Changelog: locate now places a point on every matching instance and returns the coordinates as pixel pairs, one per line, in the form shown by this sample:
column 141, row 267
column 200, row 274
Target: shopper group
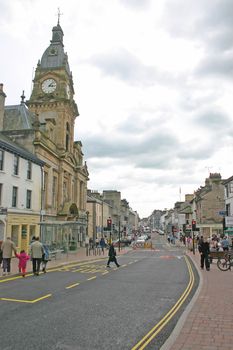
column 38, row 253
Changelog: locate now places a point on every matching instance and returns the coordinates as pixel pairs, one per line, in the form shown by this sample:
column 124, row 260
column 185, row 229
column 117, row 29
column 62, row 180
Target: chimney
column 2, row 106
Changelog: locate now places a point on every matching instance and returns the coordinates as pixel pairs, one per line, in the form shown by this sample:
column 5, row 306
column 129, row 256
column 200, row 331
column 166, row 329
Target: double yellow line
column 162, row 323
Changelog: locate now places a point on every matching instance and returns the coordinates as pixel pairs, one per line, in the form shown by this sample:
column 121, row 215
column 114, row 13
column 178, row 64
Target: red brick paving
column 209, row 325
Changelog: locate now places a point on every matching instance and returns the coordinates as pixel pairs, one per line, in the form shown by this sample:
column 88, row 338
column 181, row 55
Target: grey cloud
column 217, row 66
column 127, row 67
column 147, row 151
column 214, row 120
column 197, row 152
column 136, row 4
column 209, row 22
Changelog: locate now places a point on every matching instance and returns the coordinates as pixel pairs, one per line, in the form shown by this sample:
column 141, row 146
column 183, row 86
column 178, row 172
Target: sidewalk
column 207, row 322
column 63, row 259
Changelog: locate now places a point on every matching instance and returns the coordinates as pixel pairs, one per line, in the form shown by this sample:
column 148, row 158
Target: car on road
column 142, row 239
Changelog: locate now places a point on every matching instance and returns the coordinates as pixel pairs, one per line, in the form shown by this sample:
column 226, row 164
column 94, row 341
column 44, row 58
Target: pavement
column 206, row 323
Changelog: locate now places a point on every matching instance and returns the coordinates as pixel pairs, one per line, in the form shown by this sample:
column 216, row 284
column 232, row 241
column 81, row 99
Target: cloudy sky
column 153, row 83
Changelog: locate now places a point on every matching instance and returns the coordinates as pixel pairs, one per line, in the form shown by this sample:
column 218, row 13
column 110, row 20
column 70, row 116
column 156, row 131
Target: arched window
column 67, row 136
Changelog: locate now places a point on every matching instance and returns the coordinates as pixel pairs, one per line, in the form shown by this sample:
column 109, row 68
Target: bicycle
column 224, row 263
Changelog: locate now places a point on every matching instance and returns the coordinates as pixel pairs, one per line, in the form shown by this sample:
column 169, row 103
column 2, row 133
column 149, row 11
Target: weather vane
column 59, row 14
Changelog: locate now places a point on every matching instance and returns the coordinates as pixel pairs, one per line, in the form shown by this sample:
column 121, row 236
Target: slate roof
column 54, row 56
column 8, row 145
column 18, row 117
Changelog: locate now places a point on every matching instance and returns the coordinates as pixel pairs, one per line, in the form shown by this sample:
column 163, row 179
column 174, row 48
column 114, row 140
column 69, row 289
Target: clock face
column 49, row 85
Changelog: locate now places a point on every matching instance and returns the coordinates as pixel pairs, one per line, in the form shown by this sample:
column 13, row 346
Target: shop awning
column 229, row 231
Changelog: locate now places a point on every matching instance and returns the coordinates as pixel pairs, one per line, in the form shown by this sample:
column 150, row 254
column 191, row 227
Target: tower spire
column 59, row 14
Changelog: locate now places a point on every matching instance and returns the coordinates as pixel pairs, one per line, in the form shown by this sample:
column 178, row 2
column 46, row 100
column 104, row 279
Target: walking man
column 7, row 248
column 112, row 256
column 37, row 252
column 204, row 251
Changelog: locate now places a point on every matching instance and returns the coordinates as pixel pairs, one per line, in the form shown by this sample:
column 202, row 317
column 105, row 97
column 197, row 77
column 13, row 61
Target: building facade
column 21, row 176
column 44, row 124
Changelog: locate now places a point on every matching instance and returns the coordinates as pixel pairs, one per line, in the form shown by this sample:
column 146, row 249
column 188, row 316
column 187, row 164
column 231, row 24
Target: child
column 45, row 257
column 23, row 258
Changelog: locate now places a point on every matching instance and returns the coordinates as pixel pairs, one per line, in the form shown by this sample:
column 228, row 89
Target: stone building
column 208, row 204
column 45, row 126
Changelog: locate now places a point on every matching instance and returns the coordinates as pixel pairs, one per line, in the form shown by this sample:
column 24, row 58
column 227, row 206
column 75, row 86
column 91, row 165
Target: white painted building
column 228, row 196
column 21, row 183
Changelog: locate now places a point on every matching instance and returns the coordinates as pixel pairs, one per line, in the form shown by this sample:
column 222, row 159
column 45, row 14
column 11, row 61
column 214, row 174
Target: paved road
column 86, row 306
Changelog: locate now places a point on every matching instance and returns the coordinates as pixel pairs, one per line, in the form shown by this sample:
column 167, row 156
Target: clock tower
column 65, row 173
column 52, row 95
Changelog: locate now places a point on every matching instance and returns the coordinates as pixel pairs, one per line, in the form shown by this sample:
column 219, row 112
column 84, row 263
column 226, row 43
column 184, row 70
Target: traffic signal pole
column 193, row 236
column 119, row 236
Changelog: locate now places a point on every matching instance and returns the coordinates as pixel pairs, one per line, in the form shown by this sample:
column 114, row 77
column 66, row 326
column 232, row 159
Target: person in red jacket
column 23, row 258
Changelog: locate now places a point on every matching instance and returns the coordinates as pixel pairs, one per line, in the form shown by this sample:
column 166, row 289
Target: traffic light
column 193, row 225
column 109, row 223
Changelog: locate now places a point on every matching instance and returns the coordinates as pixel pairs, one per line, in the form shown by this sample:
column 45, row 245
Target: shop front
column 65, row 236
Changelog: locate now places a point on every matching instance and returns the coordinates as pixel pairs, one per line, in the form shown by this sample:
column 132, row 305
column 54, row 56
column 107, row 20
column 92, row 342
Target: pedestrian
column 23, row 258
column 37, row 251
column 112, row 256
column 200, row 240
column 102, row 244
column 225, row 244
column 45, row 257
column 204, row 251
column 7, row 248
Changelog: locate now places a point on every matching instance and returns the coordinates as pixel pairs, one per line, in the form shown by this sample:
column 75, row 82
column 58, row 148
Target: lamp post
column 119, row 236
column 87, row 239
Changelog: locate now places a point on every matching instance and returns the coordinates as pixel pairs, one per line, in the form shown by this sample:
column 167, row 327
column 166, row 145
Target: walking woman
column 112, row 256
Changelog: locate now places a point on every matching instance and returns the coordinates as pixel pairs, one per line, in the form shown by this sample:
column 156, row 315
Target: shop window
column 24, row 231
column 32, row 232
column 15, row 234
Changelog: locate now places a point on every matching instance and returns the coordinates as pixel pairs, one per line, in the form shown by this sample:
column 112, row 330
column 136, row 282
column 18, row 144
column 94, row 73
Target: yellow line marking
column 15, row 278
column 91, row 278
column 124, row 265
column 60, row 268
column 105, row 273
column 73, row 285
column 26, row 301
column 162, row 323
column 131, row 262
column 77, row 270
column 44, row 297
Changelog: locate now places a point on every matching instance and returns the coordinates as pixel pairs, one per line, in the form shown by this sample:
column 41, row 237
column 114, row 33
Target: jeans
column 36, row 265
column 205, row 259
column 6, row 264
